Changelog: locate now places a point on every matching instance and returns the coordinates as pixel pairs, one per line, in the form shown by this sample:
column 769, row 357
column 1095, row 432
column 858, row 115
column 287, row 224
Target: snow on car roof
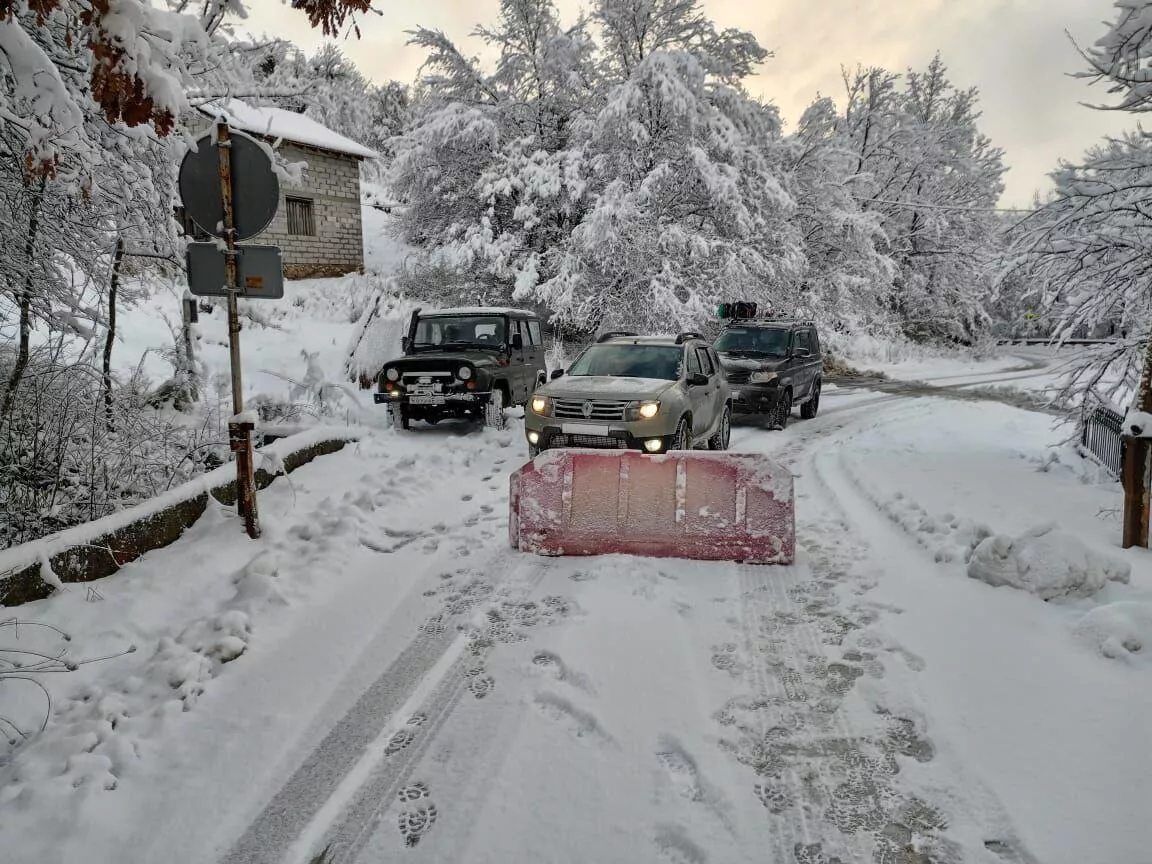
column 288, row 125
column 478, row 310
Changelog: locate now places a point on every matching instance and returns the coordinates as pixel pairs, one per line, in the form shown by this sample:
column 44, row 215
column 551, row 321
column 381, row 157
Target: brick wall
column 331, row 182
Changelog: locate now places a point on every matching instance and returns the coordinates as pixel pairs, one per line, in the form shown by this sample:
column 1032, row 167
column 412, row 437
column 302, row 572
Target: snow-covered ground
column 380, row 673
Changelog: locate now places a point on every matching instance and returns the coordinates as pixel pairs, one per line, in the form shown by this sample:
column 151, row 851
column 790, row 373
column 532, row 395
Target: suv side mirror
column 698, row 380
column 801, row 353
column 517, row 342
column 556, row 373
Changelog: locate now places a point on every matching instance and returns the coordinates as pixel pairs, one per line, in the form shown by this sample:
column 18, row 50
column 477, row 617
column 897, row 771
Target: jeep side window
column 705, row 362
column 802, row 340
column 814, row 341
column 534, row 332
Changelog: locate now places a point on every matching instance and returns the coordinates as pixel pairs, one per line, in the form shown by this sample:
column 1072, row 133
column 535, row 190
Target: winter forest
column 610, row 171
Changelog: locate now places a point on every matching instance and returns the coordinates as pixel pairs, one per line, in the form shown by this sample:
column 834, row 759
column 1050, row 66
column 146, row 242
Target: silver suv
column 648, row 393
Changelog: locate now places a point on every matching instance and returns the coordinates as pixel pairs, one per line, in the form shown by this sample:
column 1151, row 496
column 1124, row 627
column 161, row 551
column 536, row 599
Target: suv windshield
column 757, row 341
column 630, row 361
column 480, row 330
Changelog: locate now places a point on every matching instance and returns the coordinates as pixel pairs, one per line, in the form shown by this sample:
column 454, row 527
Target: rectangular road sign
column 259, row 271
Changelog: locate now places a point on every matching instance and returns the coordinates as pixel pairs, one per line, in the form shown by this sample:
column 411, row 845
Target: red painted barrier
column 685, row 504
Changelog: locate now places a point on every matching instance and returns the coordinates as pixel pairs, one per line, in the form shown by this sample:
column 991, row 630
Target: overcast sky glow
column 1015, row 51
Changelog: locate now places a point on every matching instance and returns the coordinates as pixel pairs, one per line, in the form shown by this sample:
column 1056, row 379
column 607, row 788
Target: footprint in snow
column 681, row 769
column 674, row 844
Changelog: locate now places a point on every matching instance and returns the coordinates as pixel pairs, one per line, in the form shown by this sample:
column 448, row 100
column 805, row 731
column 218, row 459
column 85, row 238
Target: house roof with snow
column 277, row 124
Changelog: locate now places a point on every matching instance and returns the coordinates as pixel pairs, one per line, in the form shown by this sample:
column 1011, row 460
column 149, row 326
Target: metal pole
column 239, row 434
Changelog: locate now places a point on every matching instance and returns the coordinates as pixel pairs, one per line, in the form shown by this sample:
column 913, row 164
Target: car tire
column 400, row 418
column 723, row 435
column 808, row 409
column 682, row 437
column 494, row 417
column 783, row 410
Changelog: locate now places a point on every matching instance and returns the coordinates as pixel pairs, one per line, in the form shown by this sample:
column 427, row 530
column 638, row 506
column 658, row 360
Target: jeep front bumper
column 754, row 398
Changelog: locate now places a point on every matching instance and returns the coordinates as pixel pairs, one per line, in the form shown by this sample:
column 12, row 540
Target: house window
column 300, row 217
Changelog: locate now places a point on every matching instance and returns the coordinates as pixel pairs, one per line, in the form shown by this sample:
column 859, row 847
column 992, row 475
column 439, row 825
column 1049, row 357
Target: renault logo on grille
column 587, row 409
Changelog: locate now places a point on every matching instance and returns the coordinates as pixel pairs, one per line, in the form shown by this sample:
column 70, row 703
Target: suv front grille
column 573, row 409
column 595, row 442
column 737, row 376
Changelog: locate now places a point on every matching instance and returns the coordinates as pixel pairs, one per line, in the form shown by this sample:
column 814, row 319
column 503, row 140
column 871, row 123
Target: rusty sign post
column 239, row 433
column 229, row 188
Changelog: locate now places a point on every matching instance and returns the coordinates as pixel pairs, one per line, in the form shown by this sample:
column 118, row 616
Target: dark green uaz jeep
column 467, row 363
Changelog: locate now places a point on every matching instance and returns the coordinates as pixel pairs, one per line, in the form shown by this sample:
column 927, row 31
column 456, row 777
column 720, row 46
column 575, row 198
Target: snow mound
column 1046, row 562
column 1119, row 631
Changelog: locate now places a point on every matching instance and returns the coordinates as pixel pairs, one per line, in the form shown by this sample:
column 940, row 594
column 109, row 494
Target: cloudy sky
column 1015, row 51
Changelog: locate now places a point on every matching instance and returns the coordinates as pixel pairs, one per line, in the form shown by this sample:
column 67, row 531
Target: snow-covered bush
column 1046, row 562
column 1119, row 631
column 68, row 455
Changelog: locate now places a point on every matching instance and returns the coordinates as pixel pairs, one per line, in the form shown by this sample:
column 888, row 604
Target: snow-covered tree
column 612, row 171
column 924, row 166
column 848, row 278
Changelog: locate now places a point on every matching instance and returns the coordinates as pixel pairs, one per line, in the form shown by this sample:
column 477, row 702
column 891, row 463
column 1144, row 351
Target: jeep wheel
column 682, row 439
column 808, row 409
column 723, row 435
column 494, row 411
column 400, row 418
column 783, row 410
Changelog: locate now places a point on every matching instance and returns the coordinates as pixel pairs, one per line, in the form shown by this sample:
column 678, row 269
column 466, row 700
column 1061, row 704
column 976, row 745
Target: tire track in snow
column 825, row 759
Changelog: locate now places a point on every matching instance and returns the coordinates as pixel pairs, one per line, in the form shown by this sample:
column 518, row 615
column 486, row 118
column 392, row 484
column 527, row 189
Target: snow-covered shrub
column 1119, row 631
column 69, row 455
column 376, row 339
column 1046, row 562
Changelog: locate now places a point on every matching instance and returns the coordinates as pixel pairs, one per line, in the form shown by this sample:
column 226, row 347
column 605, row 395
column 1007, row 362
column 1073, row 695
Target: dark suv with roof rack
column 629, row 392
column 772, row 364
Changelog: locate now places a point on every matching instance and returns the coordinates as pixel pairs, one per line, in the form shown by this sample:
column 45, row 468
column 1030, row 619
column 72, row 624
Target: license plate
column 583, row 429
column 425, row 400
column 737, row 394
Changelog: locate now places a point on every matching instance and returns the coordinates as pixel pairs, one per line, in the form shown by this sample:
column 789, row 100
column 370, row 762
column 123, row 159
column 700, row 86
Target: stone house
column 318, row 226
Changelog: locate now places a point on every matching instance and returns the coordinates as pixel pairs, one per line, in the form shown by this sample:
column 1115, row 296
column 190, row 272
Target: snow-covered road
column 410, row 689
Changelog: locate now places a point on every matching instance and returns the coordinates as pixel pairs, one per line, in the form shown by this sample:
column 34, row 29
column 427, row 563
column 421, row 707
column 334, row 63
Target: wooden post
column 239, row 434
column 1136, row 492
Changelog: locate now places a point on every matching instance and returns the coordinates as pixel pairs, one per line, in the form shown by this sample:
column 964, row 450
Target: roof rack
column 613, row 334
column 691, row 334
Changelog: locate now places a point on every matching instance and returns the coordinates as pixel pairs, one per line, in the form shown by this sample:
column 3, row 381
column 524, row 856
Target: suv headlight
column 464, row 373
column 763, row 377
column 540, row 405
column 642, row 410
column 392, row 374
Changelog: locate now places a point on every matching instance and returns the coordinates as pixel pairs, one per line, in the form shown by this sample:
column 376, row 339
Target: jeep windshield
column 754, row 341
column 661, row 362
column 459, row 331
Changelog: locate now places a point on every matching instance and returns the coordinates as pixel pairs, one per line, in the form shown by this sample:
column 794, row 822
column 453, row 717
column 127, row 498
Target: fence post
column 1136, row 493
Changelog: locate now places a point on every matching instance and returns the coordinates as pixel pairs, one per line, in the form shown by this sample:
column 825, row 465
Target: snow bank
column 102, row 546
column 1138, row 424
column 1045, row 562
column 1119, row 631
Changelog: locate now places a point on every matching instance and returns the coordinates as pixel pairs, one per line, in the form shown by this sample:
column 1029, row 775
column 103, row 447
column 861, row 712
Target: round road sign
column 255, row 188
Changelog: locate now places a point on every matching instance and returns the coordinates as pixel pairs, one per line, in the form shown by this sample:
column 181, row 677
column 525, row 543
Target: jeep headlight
column 540, row 404
column 464, row 373
column 642, row 410
column 392, row 374
column 762, row 377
